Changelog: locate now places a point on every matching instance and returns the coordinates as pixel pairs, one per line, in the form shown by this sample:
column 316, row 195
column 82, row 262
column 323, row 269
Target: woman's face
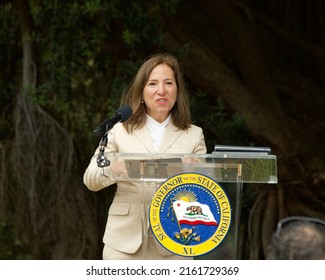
column 160, row 92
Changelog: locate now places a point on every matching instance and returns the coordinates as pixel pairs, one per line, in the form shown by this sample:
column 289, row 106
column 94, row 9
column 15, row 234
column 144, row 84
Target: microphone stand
column 102, row 161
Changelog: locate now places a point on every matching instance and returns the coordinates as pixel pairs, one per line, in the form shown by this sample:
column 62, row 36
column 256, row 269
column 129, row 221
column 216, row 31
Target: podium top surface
column 248, row 167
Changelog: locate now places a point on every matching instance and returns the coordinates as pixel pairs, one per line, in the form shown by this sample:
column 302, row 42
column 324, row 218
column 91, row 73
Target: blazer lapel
column 171, row 135
column 144, row 137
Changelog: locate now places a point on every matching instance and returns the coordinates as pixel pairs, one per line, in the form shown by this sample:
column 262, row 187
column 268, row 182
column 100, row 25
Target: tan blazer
column 127, row 223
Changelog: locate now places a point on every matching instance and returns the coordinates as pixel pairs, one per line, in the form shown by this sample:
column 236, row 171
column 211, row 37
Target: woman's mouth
column 161, row 100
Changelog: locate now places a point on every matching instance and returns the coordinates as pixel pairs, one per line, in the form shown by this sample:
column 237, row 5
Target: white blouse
column 157, row 130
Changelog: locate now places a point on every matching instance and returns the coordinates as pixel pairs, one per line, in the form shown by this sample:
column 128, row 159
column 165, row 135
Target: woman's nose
column 161, row 89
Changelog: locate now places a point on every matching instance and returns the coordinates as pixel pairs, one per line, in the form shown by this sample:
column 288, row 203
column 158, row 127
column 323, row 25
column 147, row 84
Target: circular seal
column 190, row 214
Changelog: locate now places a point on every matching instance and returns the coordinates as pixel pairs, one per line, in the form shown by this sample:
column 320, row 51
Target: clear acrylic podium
column 229, row 168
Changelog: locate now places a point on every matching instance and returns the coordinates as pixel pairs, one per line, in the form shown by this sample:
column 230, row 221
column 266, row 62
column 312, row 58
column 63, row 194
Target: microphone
column 121, row 115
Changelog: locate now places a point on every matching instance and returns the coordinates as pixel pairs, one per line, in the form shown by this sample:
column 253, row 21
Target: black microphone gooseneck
column 121, row 115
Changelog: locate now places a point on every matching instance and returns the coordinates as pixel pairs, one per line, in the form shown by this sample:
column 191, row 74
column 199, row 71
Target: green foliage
column 130, row 38
column 221, row 125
